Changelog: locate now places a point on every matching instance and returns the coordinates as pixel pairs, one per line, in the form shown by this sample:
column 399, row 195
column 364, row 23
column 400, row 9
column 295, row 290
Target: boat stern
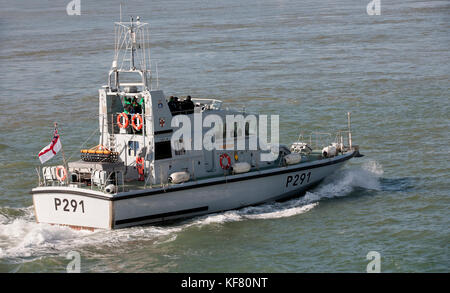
column 74, row 207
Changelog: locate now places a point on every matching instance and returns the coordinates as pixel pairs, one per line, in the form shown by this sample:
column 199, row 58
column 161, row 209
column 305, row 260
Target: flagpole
column 64, row 156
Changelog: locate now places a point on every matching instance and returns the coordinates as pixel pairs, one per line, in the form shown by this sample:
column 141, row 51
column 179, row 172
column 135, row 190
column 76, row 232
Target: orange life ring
column 58, row 176
column 134, row 124
column 227, row 166
column 125, row 124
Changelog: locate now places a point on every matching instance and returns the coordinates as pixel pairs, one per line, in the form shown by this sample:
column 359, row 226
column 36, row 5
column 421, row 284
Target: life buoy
column 125, row 124
column 140, row 168
column 139, row 117
column 58, row 173
column 227, row 166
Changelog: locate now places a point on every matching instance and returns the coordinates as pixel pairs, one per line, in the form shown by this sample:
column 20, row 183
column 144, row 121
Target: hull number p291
column 298, row 179
column 69, row 206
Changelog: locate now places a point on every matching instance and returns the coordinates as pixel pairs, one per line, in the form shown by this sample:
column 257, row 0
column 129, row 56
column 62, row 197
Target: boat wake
column 22, row 239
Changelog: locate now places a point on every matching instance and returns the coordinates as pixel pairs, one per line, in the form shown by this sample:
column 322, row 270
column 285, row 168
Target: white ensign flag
column 51, row 150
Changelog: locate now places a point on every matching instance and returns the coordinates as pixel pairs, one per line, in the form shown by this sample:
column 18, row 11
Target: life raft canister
column 133, row 123
column 179, row 177
column 58, row 173
column 227, row 166
column 119, row 122
column 140, row 168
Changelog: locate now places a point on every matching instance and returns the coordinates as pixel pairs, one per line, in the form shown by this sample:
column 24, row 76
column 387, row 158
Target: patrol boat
column 138, row 174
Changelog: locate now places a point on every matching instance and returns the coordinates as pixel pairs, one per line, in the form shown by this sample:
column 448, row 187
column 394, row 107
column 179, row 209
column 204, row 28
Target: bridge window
column 133, row 147
column 163, row 150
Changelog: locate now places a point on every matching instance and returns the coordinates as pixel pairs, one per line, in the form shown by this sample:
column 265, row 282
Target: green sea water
column 309, row 62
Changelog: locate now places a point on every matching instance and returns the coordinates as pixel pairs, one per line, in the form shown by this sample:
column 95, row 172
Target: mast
column 131, row 55
column 133, row 45
column 130, row 75
column 349, row 131
column 66, row 166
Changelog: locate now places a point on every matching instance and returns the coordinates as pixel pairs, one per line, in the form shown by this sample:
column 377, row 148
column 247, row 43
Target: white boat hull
column 83, row 208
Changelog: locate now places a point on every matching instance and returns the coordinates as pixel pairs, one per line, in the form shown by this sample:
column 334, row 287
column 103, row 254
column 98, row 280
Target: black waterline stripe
column 163, row 131
column 163, row 215
column 149, row 193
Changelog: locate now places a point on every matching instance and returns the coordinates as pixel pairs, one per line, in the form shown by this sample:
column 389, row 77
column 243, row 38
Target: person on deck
column 141, row 104
column 127, row 107
column 188, row 105
column 137, row 106
column 172, row 104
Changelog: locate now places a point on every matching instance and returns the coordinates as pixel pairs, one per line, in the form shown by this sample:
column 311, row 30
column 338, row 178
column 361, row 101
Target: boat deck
column 141, row 185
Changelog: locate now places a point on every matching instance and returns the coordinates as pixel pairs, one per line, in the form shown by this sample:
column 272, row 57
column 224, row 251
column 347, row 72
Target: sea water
column 309, row 62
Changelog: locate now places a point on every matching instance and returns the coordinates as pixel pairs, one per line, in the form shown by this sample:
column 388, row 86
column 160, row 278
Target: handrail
column 317, row 135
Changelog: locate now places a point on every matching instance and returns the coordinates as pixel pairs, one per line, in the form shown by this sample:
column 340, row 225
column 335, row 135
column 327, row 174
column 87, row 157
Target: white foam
column 164, row 241
column 289, row 212
column 23, row 237
column 3, row 219
column 343, row 182
column 373, row 167
column 230, row 216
